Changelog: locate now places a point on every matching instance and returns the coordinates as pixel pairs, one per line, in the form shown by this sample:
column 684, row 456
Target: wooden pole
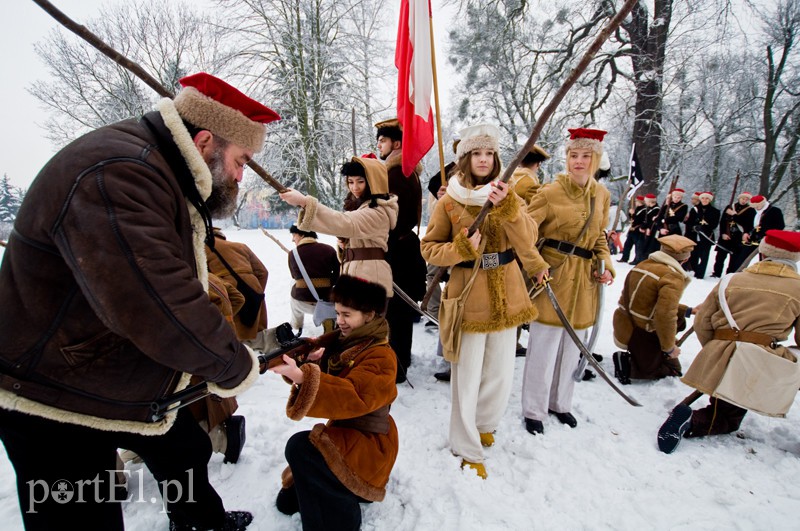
column 84, row 33
column 438, row 108
column 273, row 238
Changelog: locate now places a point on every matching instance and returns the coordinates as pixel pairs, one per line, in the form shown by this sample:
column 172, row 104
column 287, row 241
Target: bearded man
column 104, row 309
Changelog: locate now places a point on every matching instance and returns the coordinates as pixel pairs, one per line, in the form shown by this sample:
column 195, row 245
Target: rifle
column 296, row 348
column 538, row 126
column 727, row 228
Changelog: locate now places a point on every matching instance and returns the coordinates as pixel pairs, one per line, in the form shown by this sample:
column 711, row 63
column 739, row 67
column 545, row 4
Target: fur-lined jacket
column 560, row 209
column 252, row 271
column 652, row 293
column 353, row 385
column 498, row 299
column 525, row 183
column 764, row 298
column 103, row 302
column 364, row 227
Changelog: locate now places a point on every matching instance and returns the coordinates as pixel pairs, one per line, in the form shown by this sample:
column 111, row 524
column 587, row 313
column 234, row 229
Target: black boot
column 622, row 366
column 234, row 431
column 234, row 521
column 671, row 432
column 565, row 418
column 287, row 501
column 443, row 376
column 534, row 427
column 588, row 375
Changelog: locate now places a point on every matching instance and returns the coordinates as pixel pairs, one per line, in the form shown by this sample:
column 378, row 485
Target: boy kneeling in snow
column 337, row 465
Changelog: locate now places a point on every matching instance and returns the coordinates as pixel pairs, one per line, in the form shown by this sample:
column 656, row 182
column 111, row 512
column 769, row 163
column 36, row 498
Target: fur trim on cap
column 226, row 122
column 776, row 252
column 708, row 195
column 359, row 294
column 584, row 138
column 481, row 136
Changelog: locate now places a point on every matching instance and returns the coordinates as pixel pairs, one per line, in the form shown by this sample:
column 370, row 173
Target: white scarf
column 468, row 196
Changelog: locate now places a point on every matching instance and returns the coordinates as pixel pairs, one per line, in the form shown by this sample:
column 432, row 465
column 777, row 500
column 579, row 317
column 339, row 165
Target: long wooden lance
column 84, row 33
column 538, row 126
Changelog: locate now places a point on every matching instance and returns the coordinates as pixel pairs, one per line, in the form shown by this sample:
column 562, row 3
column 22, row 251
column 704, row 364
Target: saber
column 598, row 320
column 411, row 302
column 715, row 244
column 586, row 354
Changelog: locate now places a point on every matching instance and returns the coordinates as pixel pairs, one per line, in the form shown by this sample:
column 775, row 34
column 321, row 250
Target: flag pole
column 436, row 102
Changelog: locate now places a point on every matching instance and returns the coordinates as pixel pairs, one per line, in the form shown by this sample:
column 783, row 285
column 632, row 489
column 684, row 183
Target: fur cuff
column 508, row 209
column 464, row 248
column 305, row 219
column 302, row 397
column 244, row 385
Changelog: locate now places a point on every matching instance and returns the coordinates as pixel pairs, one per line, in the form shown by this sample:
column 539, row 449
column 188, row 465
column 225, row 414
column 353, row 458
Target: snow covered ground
column 605, row 474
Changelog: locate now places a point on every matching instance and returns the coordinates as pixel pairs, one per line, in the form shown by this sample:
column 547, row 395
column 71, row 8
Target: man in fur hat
column 404, row 257
column 648, row 229
column 764, row 302
column 104, row 308
column 650, row 315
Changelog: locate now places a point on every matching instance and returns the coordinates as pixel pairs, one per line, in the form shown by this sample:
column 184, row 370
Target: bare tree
column 302, row 54
column 85, row 90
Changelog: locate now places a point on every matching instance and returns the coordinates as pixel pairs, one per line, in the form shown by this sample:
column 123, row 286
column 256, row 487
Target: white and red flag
column 414, row 81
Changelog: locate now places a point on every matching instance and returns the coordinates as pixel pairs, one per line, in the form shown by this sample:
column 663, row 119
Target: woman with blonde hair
column 571, row 213
column 483, row 369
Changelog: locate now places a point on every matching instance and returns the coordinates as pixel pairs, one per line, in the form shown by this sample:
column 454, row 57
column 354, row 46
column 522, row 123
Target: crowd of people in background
column 136, row 296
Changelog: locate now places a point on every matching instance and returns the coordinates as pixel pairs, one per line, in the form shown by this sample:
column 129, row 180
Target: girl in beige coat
column 561, row 210
column 365, row 228
column 483, row 370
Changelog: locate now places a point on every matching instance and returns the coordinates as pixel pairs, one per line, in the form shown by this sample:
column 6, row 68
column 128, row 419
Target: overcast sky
column 25, row 150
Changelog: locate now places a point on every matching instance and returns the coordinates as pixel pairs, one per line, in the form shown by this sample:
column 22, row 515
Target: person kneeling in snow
column 764, row 305
column 650, row 314
column 337, row 465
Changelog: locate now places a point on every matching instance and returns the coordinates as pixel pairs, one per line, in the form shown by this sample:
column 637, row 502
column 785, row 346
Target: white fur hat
column 480, row 136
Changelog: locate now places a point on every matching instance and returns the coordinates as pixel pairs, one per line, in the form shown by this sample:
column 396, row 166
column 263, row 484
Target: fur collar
column 776, row 268
column 573, row 190
column 202, row 180
column 663, row 258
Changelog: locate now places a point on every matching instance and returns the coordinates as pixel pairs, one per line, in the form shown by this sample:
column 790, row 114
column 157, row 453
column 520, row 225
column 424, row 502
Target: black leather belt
column 569, row 248
column 491, row 260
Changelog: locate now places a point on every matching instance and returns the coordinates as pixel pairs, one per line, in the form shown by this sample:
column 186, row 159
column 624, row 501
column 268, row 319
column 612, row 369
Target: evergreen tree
column 10, row 199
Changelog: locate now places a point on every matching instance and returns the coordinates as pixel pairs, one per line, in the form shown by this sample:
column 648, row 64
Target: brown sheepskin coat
column 247, row 265
column 525, row 183
column 653, row 290
column 764, row 298
column 361, row 460
column 498, row 299
column 560, row 209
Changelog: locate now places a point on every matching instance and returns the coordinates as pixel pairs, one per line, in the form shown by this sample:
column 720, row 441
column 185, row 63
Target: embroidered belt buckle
column 490, row 261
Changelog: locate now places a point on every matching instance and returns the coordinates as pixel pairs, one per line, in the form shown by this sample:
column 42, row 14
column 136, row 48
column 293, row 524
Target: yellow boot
column 477, row 467
column 487, row 439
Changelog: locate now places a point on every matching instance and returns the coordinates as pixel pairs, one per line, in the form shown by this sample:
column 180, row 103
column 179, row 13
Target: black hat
column 359, row 294
column 304, row 233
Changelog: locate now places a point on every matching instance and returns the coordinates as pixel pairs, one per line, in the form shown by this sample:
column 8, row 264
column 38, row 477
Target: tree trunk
column 649, row 48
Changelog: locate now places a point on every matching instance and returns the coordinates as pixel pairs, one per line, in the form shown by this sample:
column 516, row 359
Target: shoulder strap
column 723, row 302
column 305, row 274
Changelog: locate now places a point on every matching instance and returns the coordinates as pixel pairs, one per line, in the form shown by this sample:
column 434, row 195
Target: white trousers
column 299, row 310
column 549, row 364
column 480, row 385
